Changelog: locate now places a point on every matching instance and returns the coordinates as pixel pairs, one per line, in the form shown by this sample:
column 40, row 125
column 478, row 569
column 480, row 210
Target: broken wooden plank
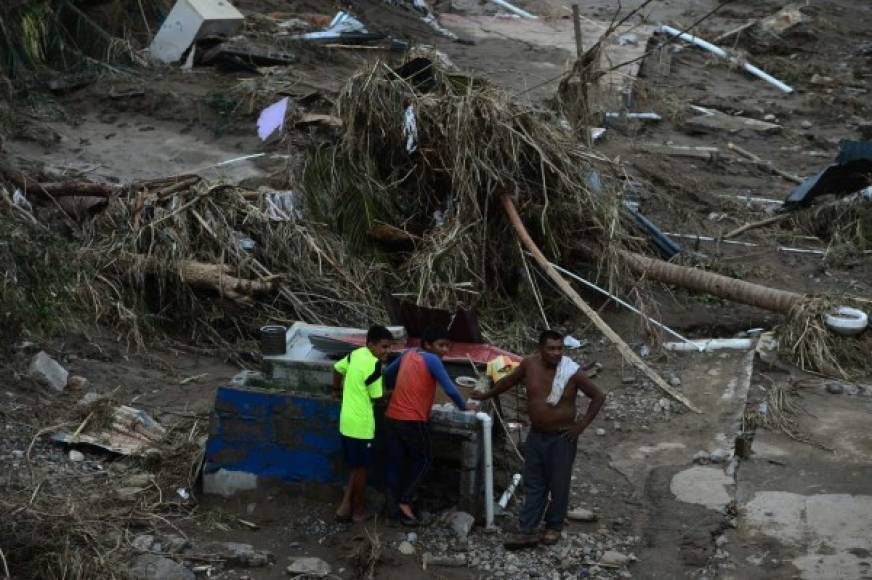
column 764, row 164
column 713, row 120
column 704, row 153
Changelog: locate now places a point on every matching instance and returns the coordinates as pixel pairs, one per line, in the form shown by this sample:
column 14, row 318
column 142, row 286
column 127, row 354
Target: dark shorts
column 358, row 452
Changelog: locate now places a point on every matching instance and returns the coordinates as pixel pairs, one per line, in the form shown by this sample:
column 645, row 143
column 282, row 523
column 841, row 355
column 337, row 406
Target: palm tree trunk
column 715, row 284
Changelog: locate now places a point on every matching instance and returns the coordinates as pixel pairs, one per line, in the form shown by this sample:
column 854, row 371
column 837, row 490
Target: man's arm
column 339, row 370
column 504, row 384
column 437, row 370
column 337, row 385
column 597, row 398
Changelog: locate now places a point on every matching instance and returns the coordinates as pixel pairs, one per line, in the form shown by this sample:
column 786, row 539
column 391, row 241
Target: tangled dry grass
column 779, row 412
column 164, row 254
column 471, row 142
column 805, row 340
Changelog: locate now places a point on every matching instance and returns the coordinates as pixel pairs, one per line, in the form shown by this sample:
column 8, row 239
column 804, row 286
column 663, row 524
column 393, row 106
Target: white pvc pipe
column 514, row 9
column 639, row 116
column 711, row 344
column 716, row 50
column 710, row 239
column 510, row 491
column 624, row 304
column 487, row 425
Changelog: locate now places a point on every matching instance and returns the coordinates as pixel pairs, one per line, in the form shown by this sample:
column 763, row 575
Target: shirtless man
column 552, row 443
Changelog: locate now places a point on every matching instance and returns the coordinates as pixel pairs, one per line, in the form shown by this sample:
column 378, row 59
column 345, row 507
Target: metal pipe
column 711, row 344
column 626, row 305
column 716, row 50
column 510, row 491
column 514, row 9
column 487, row 429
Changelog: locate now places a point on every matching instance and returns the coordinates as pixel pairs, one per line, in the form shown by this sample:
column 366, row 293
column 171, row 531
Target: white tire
column 847, row 321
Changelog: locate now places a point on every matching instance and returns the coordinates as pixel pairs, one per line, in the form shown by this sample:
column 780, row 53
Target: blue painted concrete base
column 288, row 436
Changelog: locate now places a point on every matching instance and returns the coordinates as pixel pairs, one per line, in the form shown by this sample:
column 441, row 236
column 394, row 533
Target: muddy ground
column 793, row 509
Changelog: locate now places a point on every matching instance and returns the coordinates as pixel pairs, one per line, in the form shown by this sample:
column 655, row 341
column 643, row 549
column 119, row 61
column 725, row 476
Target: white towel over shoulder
column 565, row 369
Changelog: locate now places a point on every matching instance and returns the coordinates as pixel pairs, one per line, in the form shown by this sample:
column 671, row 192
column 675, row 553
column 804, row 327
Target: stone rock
column 817, row 79
column 227, row 483
column 613, row 558
column 77, row 382
column 406, row 548
column 675, row 381
column 600, row 432
column 175, row 544
column 47, row 371
column 312, row 566
column 806, row 124
column 76, row 456
column 412, row 537
column 89, row 398
column 701, row 457
column 835, row 388
column 461, row 523
column 581, row 515
column 153, row 567
column 239, row 554
column 719, row 455
column 143, row 543
column 452, row 561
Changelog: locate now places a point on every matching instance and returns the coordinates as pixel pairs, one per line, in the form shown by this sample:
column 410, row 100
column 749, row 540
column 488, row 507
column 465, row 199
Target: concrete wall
column 289, row 436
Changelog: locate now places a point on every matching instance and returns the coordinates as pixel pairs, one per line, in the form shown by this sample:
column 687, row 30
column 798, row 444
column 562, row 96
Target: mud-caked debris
column 238, row 554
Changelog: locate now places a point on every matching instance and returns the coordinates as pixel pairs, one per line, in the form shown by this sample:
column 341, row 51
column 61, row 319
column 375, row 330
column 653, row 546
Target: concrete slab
column 718, row 383
column 706, row 486
column 806, row 511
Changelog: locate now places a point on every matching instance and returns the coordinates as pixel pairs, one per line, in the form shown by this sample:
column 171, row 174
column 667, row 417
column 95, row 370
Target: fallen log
column 218, row 277
column 29, row 184
column 629, row 355
column 715, row 284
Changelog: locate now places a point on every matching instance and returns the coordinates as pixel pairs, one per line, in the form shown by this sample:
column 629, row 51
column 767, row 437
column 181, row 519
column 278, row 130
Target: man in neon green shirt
column 357, row 378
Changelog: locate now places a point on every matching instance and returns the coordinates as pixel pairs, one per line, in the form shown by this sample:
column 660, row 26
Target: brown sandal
column 520, row 541
column 550, row 537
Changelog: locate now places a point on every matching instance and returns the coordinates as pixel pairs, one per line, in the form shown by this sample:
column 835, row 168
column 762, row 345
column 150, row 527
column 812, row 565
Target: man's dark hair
column 377, row 333
column 434, row 333
column 549, row 335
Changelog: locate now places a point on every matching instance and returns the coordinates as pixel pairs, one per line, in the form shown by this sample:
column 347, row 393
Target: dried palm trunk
column 216, row 277
column 714, row 284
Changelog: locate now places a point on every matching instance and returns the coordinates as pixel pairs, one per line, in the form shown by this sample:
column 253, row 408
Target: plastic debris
column 343, row 23
column 272, row 119
column 410, row 129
